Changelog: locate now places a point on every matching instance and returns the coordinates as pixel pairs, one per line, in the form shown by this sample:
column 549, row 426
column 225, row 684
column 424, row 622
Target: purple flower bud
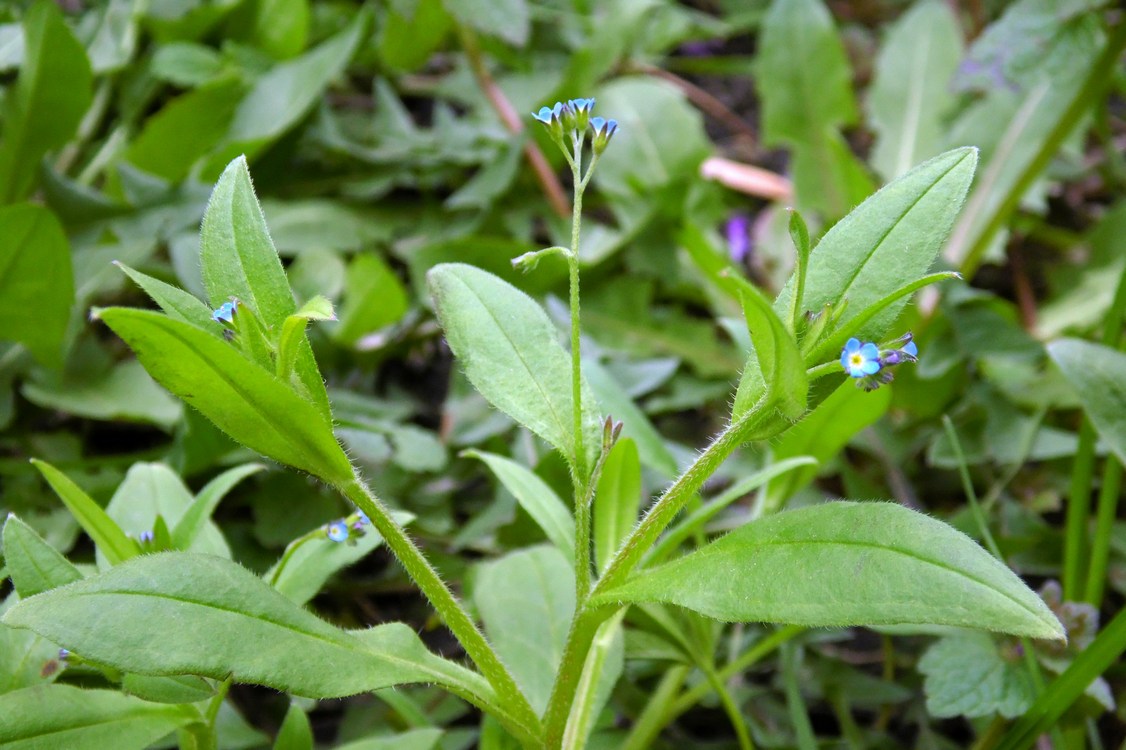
column 738, row 231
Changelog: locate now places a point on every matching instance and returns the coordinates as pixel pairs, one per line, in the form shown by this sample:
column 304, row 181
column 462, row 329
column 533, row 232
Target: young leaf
column 62, row 716
column 107, row 535
column 889, row 240
column 510, row 351
column 1000, row 684
column 195, row 518
column 1098, row 376
column 293, row 332
column 35, row 566
column 178, row 613
column 295, row 732
column 846, row 563
column 535, row 497
column 526, row 599
column 175, row 689
column 36, row 280
column 242, row 399
column 617, row 500
column 43, row 109
column 176, row 303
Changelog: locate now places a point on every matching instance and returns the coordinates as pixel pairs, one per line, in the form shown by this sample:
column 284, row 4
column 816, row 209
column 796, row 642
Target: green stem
column 654, row 717
column 1078, row 510
column 799, row 714
column 522, row 720
column 580, row 479
column 1106, row 514
column 729, row 707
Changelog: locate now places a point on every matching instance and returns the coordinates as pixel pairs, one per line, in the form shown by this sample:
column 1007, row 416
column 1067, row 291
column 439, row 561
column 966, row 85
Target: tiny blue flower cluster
column 341, row 530
column 225, row 313
column 572, row 117
column 872, row 365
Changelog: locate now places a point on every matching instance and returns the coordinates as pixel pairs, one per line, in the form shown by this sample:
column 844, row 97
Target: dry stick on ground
column 548, row 180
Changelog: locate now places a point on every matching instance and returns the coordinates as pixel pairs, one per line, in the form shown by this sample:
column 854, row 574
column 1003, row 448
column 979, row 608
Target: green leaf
column 968, row 675
column 176, row 303
column 373, row 298
column 413, row 739
column 36, row 280
column 26, row 659
column 526, row 600
column 34, row 565
column 888, row 241
column 800, row 101
column 243, row 400
column 510, row 350
column 508, row 19
column 49, row 717
column 239, row 260
column 107, row 535
column 177, row 613
column 195, row 518
column 617, row 500
column 846, row 563
column 309, row 562
column 1098, row 375
column 185, row 130
column 295, row 732
column 911, row 94
column 822, row 434
column 123, row 393
column 293, row 333
column 43, row 109
column 406, row 41
column 177, row 689
column 281, row 27
column 536, row 497
column 284, row 96
column 775, row 367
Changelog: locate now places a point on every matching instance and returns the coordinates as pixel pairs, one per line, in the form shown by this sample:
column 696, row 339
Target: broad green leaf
column 107, row 535
column 185, row 130
column 177, row 613
column 124, row 393
column 36, row 280
column 800, row 101
column 510, row 350
column 239, row 261
column 968, row 675
column 406, row 41
column 295, row 732
column 237, row 255
column 308, row 563
column 50, row 717
column 43, row 109
column 823, row 433
column 535, row 497
column 508, row 19
column 185, row 64
column 911, row 93
column 889, row 240
column 846, row 563
column 649, row 152
column 34, row 565
column 243, row 400
column 617, row 500
column 526, row 600
column 195, row 519
column 176, row 303
column 1098, row 375
column 285, row 95
column 26, row 659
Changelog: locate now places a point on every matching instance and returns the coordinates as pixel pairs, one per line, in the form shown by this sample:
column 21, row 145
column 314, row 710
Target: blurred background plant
column 389, row 137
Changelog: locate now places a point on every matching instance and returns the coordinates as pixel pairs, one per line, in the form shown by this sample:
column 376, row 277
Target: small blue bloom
column 603, row 131
column 860, row 360
column 911, row 349
column 582, row 109
column 63, row 654
column 225, row 313
column 902, row 349
column 364, row 520
column 544, row 115
column 337, row 531
column 146, row 537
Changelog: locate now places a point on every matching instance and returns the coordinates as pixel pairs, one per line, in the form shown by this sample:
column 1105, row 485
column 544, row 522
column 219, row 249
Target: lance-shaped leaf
column 510, row 351
column 846, row 563
column 61, row 716
column 250, row 404
column 181, row 613
column 1098, row 375
column 35, row 566
column 107, row 535
column 888, row 241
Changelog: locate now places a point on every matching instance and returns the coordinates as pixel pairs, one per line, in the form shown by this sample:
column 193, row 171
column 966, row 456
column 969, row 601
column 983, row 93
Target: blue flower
column 581, row 109
column 225, row 313
column 544, row 115
column 860, row 360
column 603, row 131
column 63, row 654
column 363, row 518
column 146, row 537
column 337, row 531
column 902, row 349
column 552, row 119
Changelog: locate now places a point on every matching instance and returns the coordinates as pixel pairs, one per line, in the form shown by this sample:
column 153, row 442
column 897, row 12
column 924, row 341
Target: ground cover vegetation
column 569, row 373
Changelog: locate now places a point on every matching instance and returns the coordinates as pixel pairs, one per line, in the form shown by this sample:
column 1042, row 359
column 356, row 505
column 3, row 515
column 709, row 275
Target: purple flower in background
column 739, row 237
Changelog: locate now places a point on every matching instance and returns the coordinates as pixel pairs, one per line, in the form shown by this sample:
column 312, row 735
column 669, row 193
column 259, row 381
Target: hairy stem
column 522, row 719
